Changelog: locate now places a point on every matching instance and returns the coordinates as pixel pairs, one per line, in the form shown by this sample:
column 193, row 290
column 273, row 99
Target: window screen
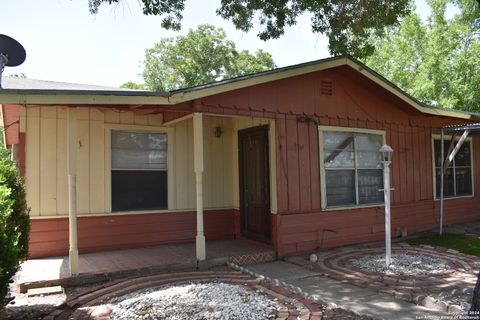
column 139, row 171
column 353, row 172
column 458, row 175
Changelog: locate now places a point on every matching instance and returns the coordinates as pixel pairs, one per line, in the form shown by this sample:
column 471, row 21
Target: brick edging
column 295, row 303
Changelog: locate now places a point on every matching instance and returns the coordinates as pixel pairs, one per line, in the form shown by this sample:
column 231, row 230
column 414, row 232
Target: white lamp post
column 386, row 152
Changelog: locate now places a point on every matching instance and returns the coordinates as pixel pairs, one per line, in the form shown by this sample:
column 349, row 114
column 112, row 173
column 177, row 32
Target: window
column 352, row 169
column 458, row 176
column 139, row 170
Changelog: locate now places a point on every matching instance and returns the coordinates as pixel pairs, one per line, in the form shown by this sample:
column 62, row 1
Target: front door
column 254, row 183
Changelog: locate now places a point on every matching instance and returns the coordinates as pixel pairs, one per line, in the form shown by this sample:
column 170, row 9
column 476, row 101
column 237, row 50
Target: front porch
column 79, row 181
column 100, row 266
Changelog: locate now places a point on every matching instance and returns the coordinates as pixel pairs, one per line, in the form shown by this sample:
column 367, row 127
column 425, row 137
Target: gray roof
column 25, row 83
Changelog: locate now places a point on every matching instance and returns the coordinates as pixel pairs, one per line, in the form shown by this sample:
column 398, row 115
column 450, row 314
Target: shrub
column 14, row 224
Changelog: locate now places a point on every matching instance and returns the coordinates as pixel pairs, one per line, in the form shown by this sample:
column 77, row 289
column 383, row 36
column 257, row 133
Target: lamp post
column 386, row 152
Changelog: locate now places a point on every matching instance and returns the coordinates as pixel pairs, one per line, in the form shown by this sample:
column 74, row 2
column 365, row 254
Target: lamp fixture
column 218, row 132
column 305, row 118
column 386, row 152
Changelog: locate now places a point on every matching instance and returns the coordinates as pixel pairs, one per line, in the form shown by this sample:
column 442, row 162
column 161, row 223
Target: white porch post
column 72, row 189
column 198, row 168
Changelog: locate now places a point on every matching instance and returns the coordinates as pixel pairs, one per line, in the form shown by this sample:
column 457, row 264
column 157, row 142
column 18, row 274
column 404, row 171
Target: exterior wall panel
column 355, row 103
column 49, row 237
column 46, row 159
column 339, row 97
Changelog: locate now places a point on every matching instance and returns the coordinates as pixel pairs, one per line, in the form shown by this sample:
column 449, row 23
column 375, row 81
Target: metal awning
column 473, row 127
column 462, row 131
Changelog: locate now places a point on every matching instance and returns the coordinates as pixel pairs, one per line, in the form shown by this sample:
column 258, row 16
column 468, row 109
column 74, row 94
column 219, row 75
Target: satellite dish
column 12, row 53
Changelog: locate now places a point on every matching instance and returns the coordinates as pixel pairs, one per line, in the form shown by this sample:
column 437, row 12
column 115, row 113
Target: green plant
column 14, row 224
column 463, row 243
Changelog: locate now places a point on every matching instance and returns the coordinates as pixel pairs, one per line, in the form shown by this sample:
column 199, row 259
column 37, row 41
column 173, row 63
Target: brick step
column 108, row 276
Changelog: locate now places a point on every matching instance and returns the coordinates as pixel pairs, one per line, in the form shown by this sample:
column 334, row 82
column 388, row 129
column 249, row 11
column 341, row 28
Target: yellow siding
column 62, row 178
column 190, row 188
column 46, row 169
column 22, row 119
column 48, row 172
column 181, row 177
column 83, row 161
column 32, row 154
column 97, row 161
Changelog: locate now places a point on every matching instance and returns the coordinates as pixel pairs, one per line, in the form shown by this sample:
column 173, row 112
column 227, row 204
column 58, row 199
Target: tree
column 202, row 56
column 133, row 85
column 437, row 61
column 14, row 224
column 347, row 23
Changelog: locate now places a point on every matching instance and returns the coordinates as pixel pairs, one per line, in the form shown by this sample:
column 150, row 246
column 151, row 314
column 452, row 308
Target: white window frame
column 434, row 174
column 170, row 162
column 323, row 186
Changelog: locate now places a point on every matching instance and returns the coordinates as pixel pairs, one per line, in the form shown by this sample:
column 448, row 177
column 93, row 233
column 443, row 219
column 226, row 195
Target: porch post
column 198, row 168
column 442, row 174
column 72, row 189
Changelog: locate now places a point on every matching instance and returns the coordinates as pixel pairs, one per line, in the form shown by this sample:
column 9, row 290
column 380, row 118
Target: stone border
column 415, row 289
column 88, row 305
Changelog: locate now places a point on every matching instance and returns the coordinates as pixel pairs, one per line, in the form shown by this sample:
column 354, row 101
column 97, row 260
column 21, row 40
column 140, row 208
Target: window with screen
column 139, row 171
column 352, row 168
column 458, row 175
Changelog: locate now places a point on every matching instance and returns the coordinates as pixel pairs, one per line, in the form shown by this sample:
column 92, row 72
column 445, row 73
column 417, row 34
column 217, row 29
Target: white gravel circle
column 402, row 264
column 194, row 301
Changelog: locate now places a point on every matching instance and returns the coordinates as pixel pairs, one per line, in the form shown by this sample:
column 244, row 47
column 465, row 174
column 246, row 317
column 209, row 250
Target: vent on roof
column 326, row 87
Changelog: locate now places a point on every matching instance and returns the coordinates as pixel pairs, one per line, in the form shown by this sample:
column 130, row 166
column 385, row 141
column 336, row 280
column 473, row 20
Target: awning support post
column 442, row 174
column 72, row 190
column 198, row 167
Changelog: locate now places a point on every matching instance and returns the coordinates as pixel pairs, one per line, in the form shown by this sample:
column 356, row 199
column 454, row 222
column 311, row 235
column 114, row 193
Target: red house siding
column 358, row 103
column 11, row 114
column 49, row 237
column 336, row 97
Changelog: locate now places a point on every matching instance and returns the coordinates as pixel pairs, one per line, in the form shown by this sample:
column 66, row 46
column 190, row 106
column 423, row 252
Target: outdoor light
column 218, row 132
column 386, row 152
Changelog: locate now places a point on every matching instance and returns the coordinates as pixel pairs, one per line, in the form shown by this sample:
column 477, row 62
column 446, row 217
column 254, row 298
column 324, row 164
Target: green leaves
column 202, row 56
column 14, row 224
column 348, row 24
column 169, row 10
column 434, row 61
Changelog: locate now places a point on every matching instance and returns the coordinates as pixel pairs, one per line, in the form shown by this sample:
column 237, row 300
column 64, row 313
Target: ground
column 409, row 280
column 95, row 302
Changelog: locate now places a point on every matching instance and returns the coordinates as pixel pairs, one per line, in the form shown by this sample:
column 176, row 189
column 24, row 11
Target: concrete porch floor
column 54, row 271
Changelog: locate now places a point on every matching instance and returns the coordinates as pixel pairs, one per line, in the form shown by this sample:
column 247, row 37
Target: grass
column 464, row 244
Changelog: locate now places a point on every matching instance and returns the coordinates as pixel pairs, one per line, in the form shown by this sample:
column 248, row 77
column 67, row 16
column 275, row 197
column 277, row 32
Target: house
column 288, row 157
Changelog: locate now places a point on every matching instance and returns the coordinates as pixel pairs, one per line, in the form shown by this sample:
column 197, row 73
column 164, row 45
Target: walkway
column 97, row 266
column 362, row 301
column 461, row 273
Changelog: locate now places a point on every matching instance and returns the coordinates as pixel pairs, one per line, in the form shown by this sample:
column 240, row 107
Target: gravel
column 401, row 264
column 32, row 308
column 194, row 301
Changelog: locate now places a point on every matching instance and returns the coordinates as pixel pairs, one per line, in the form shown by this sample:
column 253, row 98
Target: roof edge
column 198, row 92
column 398, row 92
column 52, row 96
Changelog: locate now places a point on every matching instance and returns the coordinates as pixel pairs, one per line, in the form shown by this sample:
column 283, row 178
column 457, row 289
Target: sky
column 64, row 42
